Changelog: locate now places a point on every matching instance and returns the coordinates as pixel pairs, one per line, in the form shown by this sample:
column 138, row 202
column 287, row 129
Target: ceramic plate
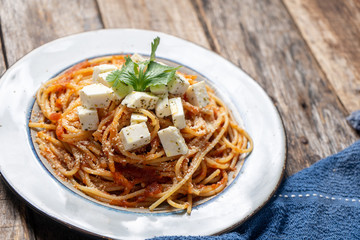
column 30, row 178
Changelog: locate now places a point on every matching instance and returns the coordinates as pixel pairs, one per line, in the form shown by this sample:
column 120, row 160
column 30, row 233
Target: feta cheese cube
column 96, row 96
column 135, row 136
column 89, row 118
column 172, row 141
column 162, row 108
column 197, row 94
column 102, row 79
column 102, row 69
column 159, row 89
column 137, row 118
column 177, row 112
column 178, row 85
column 137, row 58
column 140, row 100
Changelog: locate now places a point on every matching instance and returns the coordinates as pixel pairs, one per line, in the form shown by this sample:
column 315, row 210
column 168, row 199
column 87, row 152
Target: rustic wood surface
column 332, row 30
column 305, row 54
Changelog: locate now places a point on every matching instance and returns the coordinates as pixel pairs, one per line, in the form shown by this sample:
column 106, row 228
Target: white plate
column 25, row 173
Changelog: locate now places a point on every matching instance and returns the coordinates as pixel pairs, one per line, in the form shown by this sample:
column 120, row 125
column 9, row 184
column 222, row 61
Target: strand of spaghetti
column 114, row 188
column 113, row 131
column 225, row 159
column 58, row 165
column 211, row 176
column 214, row 164
column 95, row 148
column 235, row 160
column 243, row 132
column 86, row 179
column 99, row 193
column 98, row 172
column 178, row 166
column 140, row 157
column 193, row 132
column 159, row 160
column 235, row 148
column 92, row 160
column 214, row 188
column 177, row 205
column 194, row 165
column 202, row 174
column 154, row 122
column 42, row 125
column 190, row 203
column 47, row 137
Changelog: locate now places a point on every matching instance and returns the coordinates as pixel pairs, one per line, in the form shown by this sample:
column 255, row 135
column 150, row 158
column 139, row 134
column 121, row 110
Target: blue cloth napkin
column 354, row 120
column 320, row 202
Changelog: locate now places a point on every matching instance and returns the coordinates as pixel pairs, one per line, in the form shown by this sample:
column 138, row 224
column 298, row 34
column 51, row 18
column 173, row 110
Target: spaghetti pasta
column 96, row 162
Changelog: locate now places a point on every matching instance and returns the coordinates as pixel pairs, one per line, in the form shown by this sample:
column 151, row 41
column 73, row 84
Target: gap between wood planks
column 3, row 60
column 99, row 14
column 214, row 45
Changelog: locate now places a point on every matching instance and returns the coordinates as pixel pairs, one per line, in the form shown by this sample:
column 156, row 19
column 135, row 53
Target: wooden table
column 304, row 53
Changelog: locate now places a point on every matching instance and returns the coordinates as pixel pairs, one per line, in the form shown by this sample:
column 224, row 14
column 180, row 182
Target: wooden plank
column 42, row 21
column 176, row 17
column 46, row 228
column 261, row 37
column 332, row 31
column 14, row 216
column 26, row 25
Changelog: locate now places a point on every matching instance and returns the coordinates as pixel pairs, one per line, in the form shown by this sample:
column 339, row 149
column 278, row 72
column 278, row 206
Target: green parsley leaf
column 158, row 74
column 154, row 46
column 144, row 74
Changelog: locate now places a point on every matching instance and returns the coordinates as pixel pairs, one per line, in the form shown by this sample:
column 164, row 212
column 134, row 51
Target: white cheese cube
column 159, row 89
column 135, row 136
column 137, row 118
column 137, row 58
column 140, row 100
column 178, row 85
column 89, row 118
column 96, row 96
column 177, row 112
column 102, row 69
column 197, row 94
column 102, row 79
column 162, row 108
column 172, row 141
column 120, row 91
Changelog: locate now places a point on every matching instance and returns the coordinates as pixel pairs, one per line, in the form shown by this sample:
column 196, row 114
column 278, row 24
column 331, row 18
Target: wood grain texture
column 302, row 77
column 331, row 29
column 261, row 37
column 176, row 17
column 48, row 20
column 14, row 221
column 26, row 25
column 45, row 228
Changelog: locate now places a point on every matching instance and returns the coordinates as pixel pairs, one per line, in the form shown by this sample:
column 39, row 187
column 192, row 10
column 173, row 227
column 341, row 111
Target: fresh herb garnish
column 144, row 74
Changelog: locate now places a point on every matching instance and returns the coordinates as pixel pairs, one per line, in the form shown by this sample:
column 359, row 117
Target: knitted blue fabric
column 354, row 120
column 320, row 202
